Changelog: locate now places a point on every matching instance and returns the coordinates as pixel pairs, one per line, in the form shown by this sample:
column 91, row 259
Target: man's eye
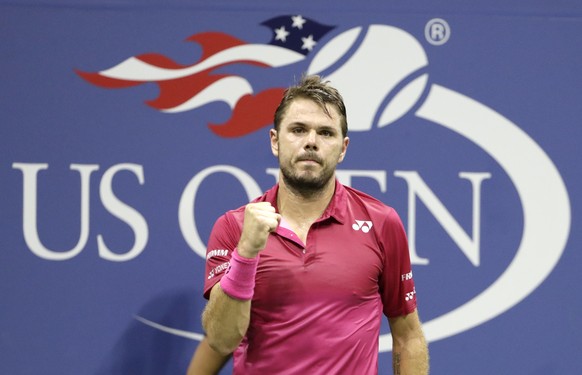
column 298, row 130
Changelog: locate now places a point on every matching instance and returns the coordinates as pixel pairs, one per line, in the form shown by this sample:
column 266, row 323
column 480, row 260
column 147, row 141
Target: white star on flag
column 296, row 32
column 298, row 21
column 308, row 43
column 281, row 34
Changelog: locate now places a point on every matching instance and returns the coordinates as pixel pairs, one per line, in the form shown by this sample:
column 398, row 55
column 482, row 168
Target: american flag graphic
column 187, row 87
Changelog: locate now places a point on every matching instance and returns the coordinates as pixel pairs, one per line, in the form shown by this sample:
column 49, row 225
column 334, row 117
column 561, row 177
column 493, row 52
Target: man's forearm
column 206, row 361
column 411, row 358
column 225, row 321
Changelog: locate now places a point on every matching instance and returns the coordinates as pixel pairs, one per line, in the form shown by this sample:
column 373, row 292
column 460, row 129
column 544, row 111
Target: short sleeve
column 396, row 283
column 223, row 240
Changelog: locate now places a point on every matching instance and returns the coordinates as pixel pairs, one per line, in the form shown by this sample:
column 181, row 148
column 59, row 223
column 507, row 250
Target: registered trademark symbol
column 437, row 31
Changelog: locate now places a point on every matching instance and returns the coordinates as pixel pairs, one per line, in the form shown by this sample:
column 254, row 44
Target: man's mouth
column 309, row 159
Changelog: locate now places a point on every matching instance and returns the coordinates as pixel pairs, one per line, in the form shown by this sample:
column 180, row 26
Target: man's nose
column 311, row 140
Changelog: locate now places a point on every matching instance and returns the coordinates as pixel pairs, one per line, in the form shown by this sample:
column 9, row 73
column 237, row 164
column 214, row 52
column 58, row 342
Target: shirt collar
column 336, row 208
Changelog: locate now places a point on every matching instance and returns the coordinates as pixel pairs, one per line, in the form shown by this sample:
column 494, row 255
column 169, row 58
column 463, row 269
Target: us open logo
column 351, row 59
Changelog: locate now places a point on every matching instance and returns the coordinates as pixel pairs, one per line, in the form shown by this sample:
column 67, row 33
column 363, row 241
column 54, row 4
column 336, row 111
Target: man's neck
column 300, row 208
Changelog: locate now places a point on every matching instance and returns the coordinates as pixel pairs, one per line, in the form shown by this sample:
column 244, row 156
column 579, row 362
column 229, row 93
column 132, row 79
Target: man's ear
column 344, row 149
column 274, row 142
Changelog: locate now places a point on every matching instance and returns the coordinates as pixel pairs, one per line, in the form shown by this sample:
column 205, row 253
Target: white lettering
column 216, row 253
column 218, row 269
column 418, row 188
column 123, row 212
column 406, row 276
column 29, row 210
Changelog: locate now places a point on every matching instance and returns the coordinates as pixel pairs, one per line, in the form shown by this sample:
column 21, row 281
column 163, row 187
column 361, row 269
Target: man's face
column 309, row 144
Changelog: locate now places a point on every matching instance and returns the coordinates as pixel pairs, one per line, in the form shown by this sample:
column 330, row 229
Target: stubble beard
column 306, row 184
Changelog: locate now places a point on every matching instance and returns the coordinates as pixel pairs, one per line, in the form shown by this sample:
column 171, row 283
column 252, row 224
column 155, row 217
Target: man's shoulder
column 373, row 206
column 367, row 199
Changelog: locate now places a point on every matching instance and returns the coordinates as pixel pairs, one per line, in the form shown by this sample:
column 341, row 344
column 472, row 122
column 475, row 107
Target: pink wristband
column 239, row 279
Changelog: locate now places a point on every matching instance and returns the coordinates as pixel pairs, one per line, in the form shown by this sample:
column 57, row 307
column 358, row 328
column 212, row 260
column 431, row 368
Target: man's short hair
column 312, row 87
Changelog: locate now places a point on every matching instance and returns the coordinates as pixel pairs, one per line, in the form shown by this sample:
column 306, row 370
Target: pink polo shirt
column 317, row 307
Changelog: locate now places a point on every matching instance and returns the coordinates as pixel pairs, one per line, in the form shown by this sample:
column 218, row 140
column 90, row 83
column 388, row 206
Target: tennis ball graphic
column 378, row 70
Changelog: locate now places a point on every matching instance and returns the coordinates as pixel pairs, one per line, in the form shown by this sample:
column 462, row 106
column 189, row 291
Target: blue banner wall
column 127, row 128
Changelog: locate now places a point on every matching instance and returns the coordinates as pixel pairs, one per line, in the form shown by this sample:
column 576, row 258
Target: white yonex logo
column 363, row 225
column 410, row 295
column 218, row 269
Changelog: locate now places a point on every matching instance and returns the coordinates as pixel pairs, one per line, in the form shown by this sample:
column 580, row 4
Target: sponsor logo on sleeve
column 218, row 269
column 216, row 253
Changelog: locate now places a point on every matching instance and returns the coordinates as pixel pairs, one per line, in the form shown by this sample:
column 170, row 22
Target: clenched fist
column 259, row 221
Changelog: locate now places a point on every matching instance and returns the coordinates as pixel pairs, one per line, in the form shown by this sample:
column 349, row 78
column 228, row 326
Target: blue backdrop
column 128, row 127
